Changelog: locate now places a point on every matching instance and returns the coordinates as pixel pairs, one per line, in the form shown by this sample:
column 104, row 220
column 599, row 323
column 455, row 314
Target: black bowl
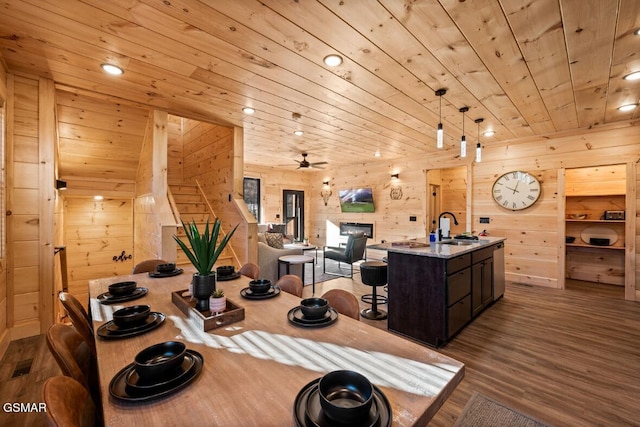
column 569, row 239
column 314, row 308
column 345, row 396
column 166, row 268
column 131, row 316
column 122, row 288
column 260, row 286
column 159, row 359
column 225, row 270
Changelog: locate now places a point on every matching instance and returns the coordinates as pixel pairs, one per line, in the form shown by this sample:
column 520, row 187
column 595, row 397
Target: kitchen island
column 436, row 289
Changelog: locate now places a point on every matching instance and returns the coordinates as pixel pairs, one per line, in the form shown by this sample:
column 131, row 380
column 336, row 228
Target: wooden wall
column 154, row 223
column 273, row 181
column 5, row 337
column 208, row 151
column 95, row 232
column 533, row 246
column 174, row 150
column 30, row 203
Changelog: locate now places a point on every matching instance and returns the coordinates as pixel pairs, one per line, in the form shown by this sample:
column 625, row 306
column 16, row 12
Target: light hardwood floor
column 567, row 357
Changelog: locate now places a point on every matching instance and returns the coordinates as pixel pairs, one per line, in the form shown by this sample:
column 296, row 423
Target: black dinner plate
column 308, row 411
column 158, row 274
column 119, row 389
column 107, row 298
column 295, row 317
column 110, row 330
column 139, row 385
column 249, row 294
column 228, row 277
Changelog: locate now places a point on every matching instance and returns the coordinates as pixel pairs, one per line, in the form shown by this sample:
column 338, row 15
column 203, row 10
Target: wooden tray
column 205, row 320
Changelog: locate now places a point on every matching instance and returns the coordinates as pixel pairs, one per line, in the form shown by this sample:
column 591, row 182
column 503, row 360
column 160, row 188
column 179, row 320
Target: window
column 251, row 190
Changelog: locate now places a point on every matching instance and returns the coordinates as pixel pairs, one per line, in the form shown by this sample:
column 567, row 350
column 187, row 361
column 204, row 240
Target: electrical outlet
column 413, row 218
column 484, row 220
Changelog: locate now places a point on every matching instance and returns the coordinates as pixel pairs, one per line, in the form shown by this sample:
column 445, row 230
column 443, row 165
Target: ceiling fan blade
column 319, row 163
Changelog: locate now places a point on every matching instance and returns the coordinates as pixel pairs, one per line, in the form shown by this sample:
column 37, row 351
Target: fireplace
column 347, row 228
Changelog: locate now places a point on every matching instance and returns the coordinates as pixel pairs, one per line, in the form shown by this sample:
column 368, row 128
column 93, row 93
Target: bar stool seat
column 374, row 274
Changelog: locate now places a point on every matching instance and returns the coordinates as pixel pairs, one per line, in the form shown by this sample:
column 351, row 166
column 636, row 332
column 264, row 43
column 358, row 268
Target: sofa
column 268, row 261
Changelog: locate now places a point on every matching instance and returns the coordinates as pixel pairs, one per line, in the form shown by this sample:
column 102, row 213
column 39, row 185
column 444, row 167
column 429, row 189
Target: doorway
column 293, row 213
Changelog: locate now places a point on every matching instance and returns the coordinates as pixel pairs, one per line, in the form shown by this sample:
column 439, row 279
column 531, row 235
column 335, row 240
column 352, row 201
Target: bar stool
column 374, row 274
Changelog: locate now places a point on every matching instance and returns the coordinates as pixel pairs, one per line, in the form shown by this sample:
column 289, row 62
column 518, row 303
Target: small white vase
column 217, row 305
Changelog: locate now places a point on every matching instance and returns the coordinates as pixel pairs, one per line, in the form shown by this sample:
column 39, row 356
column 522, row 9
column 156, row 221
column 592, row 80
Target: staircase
column 192, row 206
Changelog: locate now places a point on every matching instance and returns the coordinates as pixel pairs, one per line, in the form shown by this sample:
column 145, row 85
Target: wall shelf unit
column 590, row 192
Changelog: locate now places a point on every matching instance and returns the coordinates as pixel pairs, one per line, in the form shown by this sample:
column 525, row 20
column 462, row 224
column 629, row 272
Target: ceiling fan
column 304, row 164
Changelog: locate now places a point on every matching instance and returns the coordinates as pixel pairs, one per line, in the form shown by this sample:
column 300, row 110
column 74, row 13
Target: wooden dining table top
column 254, row 368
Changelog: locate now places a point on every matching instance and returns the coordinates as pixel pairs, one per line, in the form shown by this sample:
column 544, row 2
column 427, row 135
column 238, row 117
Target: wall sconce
column 326, row 192
column 61, row 185
column 395, row 176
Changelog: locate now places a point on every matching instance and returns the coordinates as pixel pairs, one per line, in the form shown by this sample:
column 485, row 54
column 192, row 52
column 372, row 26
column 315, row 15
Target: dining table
column 254, row 369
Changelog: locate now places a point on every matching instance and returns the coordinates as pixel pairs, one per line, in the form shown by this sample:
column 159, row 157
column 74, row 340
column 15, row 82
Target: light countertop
column 422, row 247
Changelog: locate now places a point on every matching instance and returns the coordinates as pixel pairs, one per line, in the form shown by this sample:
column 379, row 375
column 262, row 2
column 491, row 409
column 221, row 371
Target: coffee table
column 289, row 260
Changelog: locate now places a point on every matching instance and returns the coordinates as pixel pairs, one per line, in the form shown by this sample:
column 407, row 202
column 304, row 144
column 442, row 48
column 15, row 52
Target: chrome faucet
column 455, row 222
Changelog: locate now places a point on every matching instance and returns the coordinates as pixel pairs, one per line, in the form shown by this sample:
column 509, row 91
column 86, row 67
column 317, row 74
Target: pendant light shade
column 478, row 145
column 463, row 140
column 440, row 132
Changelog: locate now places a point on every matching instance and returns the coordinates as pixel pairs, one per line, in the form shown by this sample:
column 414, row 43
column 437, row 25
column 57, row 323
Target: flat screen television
column 356, row 200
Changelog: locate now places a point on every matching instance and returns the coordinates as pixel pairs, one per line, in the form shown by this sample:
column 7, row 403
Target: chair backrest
column 292, row 284
column 79, row 318
column 69, row 404
column 71, row 352
column 250, row 270
column 147, row 266
column 356, row 244
column 343, row 302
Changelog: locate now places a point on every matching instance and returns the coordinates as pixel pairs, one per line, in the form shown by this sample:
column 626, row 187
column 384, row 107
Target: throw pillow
column 274, row 240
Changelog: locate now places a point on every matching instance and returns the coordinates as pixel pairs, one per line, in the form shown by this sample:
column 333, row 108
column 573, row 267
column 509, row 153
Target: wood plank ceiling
column 528, row 67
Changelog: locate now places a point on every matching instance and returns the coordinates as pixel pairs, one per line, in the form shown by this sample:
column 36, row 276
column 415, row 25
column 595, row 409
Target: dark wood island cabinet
column 436, row 289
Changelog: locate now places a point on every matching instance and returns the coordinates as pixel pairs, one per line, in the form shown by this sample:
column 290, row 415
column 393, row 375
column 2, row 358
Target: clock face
column 516, row 190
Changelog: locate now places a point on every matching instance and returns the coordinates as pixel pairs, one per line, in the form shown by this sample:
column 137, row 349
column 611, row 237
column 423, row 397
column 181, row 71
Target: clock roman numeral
column 530, row 198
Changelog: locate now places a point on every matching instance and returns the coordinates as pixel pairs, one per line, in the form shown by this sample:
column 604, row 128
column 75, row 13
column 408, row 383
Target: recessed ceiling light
column 114, row 70
column 377, row 153
column 628, row 107
column 488, row 133
column 333, row 60
column 248, row 110
column 632, row 76
column 298, row 132
column 637, row 32
column 98, row 198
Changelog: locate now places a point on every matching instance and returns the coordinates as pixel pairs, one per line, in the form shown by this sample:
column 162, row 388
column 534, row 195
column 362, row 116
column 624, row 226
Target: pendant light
column 440, row 132
column 478, row 145
column 463, row 140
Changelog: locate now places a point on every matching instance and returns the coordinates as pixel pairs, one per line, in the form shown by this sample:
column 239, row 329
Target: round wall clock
column 516, row 190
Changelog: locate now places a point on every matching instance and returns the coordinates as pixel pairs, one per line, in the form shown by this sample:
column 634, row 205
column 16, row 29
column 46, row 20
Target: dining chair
column 250, row 270
column 344, row 302
column 74, row 357
column 147, row 266
column 68, row 403
column 291, row 283
column 79, row 318
column 352, row 252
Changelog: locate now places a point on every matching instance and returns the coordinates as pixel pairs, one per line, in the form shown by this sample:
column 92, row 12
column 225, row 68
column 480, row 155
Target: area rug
column 482, row 411
column 332, row 267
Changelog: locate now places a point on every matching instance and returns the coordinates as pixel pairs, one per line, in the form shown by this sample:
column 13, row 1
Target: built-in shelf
column 620, row 221
column 584, row 245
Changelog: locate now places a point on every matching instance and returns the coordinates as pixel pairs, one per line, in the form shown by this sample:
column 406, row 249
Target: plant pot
column 203, row 286
column 217, row 305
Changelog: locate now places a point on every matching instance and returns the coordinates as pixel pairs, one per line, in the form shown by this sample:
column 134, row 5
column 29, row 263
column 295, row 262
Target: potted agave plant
column 203, row 254
column 217, row 301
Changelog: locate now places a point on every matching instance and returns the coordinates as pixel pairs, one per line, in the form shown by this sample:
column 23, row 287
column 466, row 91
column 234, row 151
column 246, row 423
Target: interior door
column 293, row 213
